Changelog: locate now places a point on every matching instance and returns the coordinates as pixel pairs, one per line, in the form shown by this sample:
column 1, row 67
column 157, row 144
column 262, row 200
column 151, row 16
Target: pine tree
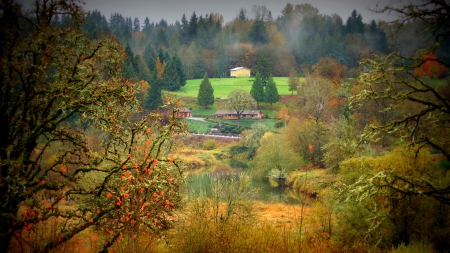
column 192, row 28
column 264, row 69
column 184, row 32
column 221, row 60
column 129, row 70
column 205, row 93
column 294, row 83
column 153, row 98
column 130, row 55
column 257, row 90
column 150, row 57
column 258, row 33
column 161, row 38
column 242, row 16
column 180, row 70
column 146, row 24
column 171, row 77
column 143, row 72
column 271, row 92
column 136, row 25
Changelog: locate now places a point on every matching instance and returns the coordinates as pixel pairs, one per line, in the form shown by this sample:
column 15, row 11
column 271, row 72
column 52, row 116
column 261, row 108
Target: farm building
column 232, row 114
column 240, row 72
column 184, row 113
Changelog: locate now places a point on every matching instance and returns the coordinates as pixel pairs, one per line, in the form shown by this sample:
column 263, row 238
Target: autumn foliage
column 429, row 66
column 331, row 69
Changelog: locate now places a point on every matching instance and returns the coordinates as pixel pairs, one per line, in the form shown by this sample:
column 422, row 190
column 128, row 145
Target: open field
column 223, row 86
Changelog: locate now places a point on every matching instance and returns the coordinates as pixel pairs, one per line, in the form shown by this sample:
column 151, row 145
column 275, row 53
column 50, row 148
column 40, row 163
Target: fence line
column 219, row 135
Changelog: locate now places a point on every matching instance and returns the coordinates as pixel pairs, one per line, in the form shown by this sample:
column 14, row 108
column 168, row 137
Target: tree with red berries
column 69, row 153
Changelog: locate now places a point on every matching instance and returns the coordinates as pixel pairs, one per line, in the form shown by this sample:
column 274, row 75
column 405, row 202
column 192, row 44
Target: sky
column 172, row 10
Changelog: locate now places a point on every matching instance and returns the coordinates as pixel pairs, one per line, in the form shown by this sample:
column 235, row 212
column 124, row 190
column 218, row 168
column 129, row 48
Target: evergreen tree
column 258, row 33
column 205, row 93
column 264, row 69
column 96, row 24
column 128, row 72
column 192, row 28
column 129, row 68
column 174, row 43
column 184, row 32
column 143, row 72
column 129, row 23
column 130, row 55
column 271, row 92
column 269, row 17
column 180, row 70
column 150, row 57
column 242, row 16
column 354, row 23
column 136, row 25
column 162, row 23
column 153, row 99
column 294, row 83
column 161, row 38
column 146, row 24
column 171, row 77
column 375, row 37
column 221, row 60
column 257, row 90
column 163, row 56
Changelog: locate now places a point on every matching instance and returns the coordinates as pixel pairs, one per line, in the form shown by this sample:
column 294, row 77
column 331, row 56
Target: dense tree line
column 300, row 35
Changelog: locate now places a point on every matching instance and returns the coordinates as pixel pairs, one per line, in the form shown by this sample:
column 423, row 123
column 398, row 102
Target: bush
column 279, row 123
column 209, row 144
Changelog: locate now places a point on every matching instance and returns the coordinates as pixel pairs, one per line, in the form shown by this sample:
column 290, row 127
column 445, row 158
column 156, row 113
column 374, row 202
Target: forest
column 349, row 151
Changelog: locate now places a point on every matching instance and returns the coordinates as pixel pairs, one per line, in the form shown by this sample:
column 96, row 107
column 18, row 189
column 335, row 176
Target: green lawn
column 223, row 86
column 198, row 126
column 205, row 127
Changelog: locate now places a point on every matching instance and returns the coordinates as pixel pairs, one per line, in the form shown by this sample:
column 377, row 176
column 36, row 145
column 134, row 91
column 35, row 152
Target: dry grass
column 280, row 215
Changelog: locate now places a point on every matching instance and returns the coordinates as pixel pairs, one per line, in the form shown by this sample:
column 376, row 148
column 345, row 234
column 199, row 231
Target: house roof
column 238, row 68
column 246, row 112
column 185, row 110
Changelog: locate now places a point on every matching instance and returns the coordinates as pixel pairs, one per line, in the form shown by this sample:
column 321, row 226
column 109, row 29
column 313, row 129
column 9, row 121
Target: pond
column 262, row 190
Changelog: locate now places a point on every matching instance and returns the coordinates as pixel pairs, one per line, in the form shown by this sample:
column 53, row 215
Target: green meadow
column 223, row 86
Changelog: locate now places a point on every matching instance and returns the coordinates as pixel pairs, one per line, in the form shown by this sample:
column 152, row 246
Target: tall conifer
column 205, row 93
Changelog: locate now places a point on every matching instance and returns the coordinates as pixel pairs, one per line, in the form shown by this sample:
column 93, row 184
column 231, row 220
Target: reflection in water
column 202, row 181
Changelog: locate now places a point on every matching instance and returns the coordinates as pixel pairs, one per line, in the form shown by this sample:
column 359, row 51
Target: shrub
column 279, row 123
column 209, row 144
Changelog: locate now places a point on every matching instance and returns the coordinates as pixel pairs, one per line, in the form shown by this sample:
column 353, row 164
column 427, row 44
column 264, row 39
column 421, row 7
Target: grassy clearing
column 247, row 123
column 223, row 86
column 198, row 126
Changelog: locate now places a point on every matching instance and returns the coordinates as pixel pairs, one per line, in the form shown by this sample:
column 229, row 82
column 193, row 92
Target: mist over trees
column 205, row 44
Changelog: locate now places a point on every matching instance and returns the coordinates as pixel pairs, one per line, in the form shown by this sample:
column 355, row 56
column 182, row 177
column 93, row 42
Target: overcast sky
column 172, row 10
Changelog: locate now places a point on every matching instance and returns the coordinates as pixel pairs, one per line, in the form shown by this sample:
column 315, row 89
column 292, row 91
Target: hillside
column 223, row 86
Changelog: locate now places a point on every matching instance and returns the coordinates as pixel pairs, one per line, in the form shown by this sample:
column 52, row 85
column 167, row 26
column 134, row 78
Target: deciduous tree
column 428, row 65
column 57, row 89
column 331, row 69
column 239, row 100
column 424, row 127
column 274, row 154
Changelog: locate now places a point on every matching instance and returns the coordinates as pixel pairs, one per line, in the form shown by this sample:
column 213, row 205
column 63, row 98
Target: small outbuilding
column 240, row 72
column 232, row 114
column 184, row 113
